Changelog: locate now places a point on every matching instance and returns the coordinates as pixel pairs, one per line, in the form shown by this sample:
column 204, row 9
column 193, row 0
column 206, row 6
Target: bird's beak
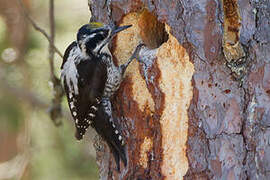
column 119, row 29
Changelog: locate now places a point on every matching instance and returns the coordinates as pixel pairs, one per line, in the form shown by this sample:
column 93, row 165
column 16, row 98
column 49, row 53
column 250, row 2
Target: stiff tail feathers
column 105, row 126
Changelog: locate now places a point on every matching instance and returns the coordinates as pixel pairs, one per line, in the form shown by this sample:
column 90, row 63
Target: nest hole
column 152, row 31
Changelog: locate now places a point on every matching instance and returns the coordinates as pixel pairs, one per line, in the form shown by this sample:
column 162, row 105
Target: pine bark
column 200, row 107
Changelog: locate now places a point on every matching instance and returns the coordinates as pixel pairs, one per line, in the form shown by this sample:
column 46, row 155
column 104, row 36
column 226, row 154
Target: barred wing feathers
column 89, row 82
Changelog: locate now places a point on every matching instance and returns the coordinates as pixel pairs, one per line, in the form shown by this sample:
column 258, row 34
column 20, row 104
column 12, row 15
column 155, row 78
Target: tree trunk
column 199, row 105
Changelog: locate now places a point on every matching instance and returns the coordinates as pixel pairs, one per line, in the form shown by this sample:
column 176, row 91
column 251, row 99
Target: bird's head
column 93, row 38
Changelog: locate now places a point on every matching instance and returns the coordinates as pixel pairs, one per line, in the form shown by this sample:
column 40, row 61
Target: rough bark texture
column 200, row 107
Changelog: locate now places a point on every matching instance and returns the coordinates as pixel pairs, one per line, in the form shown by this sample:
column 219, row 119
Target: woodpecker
column 90, row 79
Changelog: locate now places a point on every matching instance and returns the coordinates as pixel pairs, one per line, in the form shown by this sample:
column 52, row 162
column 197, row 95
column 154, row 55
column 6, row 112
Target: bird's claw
column 135, row 54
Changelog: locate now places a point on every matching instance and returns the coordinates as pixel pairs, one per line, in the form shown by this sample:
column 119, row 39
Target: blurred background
column 31, row 145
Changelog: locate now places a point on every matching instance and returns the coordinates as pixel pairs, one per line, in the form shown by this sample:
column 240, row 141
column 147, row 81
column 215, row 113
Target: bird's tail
column 110, row 132
column 119, row 154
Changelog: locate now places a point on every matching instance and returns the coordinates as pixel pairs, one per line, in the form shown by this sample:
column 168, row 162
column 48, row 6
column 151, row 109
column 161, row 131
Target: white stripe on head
column 103, row 45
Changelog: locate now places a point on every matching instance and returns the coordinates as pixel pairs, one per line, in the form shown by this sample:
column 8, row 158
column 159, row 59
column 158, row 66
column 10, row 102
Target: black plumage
column 88, row 74
column 91, row 82
column 104, row 121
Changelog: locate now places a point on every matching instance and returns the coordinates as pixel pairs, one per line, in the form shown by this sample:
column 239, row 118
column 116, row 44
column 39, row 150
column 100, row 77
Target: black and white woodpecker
column 90, row 79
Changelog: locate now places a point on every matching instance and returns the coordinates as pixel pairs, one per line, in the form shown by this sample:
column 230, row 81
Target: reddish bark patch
column 212, row 38
column 148, row 126
column 159, row 99
column 227, row 91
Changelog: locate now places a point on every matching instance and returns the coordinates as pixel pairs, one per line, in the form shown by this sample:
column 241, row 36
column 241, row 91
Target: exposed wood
column 193, row 111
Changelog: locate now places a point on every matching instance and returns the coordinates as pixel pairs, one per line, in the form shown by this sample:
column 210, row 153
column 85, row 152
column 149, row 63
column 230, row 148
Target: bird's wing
column 89, row 83
column 92, row 79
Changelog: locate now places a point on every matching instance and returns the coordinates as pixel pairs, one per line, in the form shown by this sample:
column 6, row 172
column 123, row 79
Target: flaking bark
column 223, row 111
